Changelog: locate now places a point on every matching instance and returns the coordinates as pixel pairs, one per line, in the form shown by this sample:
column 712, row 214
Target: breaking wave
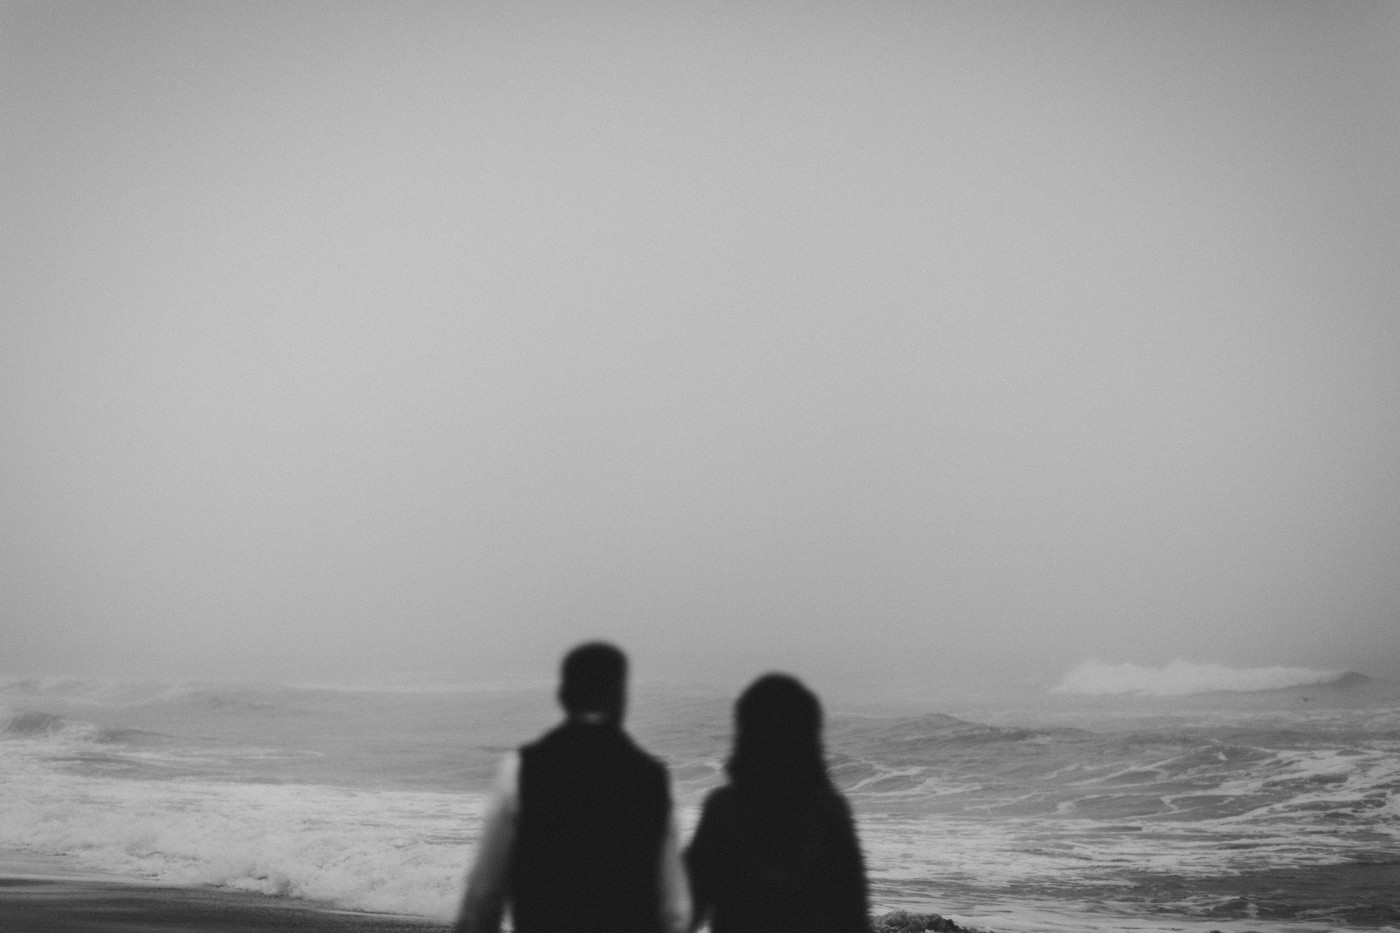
column 373, row 800
column 396, row 852
column 30, row 723
column 1182, row 678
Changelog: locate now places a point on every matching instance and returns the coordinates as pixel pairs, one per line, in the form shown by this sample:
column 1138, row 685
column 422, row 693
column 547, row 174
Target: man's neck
column 592, row 718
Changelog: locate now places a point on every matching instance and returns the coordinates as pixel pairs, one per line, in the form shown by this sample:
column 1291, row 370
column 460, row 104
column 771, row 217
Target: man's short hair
column 592, row 677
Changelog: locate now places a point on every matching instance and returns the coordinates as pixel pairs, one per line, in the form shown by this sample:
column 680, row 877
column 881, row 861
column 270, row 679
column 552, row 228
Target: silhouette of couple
column 580, row 836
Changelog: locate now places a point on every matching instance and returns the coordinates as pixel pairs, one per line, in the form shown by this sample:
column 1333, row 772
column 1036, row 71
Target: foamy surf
column 371, row 801
column 384, row 851
column 1182, row 678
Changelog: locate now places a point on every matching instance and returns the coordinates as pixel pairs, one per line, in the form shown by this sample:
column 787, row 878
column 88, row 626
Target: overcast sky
column 894, row 341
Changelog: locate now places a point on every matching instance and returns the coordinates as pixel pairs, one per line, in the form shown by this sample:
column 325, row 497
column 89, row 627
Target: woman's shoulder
column 719, row 798
column 716, row 822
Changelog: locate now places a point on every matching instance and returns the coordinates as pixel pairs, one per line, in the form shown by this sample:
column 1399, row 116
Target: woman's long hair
column 778, row 770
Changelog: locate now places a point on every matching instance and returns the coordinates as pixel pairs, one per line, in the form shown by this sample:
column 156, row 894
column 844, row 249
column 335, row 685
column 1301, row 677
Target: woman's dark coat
column 760, row 866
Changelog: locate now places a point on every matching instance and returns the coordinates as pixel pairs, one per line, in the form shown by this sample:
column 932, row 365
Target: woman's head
column 777, row 736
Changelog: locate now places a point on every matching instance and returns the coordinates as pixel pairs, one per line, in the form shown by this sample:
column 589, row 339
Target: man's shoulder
column 644, row 760
column 544, row 739
column 568, row 737
column 644, row 755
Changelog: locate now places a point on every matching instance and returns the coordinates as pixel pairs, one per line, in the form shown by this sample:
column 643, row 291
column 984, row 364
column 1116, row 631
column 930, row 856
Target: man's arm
column 675, row 892
column 487, row 888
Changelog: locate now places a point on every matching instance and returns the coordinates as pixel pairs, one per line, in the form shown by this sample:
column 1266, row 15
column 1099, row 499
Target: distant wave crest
column 28, row 723
column 1181, row 678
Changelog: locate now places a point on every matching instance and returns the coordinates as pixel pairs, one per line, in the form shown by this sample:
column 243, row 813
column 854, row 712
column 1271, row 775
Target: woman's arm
column 702, row 863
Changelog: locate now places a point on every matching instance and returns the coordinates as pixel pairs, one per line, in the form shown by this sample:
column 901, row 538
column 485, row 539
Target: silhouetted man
column 579, row 837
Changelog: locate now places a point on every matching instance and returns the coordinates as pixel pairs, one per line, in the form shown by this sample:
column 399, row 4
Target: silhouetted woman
column 776, row 848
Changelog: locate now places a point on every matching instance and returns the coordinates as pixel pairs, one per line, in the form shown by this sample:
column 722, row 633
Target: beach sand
column 35, row 904
column 82, row 904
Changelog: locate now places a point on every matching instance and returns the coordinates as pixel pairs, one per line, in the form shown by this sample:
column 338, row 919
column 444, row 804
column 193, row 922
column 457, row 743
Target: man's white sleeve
column 487, row 888
column 675, row 890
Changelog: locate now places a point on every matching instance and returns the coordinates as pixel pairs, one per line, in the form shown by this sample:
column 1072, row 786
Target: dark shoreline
column 82, row 905
column 34, row 903
column 47, row 904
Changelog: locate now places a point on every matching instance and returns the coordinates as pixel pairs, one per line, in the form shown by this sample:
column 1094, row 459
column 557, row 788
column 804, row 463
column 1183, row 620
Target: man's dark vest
column 593, row 813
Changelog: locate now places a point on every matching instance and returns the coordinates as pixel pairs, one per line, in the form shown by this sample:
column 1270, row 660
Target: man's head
column 593, row 680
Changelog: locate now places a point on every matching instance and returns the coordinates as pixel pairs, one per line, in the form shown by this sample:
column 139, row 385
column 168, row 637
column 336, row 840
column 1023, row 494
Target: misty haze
column 1024, row 378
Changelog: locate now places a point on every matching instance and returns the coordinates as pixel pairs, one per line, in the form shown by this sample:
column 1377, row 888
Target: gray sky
column 865, row 340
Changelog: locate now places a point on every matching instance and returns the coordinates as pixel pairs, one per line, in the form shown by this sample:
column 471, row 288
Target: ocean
column 1277, row 810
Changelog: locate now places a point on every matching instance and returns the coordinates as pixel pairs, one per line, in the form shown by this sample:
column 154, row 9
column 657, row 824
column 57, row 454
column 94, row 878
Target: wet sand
column 31, row 904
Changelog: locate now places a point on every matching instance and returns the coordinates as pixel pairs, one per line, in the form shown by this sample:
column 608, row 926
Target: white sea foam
column 1181, row 678
column 392, row 851
column 1003, row 828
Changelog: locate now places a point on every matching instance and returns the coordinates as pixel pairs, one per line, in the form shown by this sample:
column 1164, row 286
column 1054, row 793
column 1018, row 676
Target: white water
column 1182, row 678
column 372, row 801
column 390, row 851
